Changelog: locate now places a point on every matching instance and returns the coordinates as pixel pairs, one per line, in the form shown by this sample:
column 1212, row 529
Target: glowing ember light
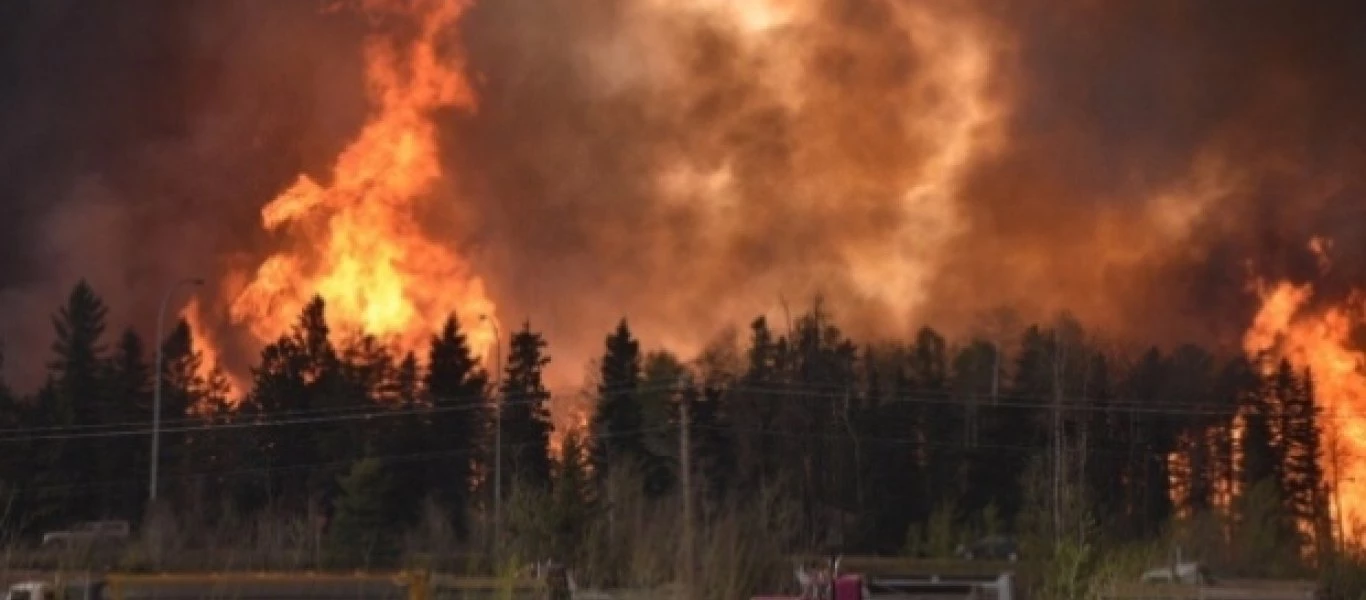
column 356, row 240
column 1320, row 340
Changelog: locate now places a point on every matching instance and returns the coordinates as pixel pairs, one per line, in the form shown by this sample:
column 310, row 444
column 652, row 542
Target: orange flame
column 1320, row 340
column 356, row 240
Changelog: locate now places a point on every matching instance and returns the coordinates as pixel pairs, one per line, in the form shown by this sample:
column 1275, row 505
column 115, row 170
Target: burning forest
column 1093, row 271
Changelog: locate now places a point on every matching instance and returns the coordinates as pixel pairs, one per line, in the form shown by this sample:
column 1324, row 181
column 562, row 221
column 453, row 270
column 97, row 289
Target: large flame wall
column 686, row 164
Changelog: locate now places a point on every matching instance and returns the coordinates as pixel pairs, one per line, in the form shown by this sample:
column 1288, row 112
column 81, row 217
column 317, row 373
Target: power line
column 385, row 458
column 481, row 403
column 315, row 416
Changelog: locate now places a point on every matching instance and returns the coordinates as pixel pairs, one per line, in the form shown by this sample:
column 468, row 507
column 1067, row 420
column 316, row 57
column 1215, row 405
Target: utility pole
column 1057, row 439
column 685, row 457
column 497, row 434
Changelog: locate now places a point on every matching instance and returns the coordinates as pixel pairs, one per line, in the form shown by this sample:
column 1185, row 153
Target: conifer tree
column 815, row 424
column 940, row 421
column 455, row 387
column 617, row 420
column 1105, row 436
column 297, row 374
column 362, row 532
column 572, row 497
column 74, row 398
column 664, row 383
column 1151, row 442
column 526, row 410
column 712, row 444
column 408, row 438
column 218, row 453
column 753, row 406
column 892, row 430
column 126, row 396
column 181, row 385
column 1304, row 484
column 15, row 460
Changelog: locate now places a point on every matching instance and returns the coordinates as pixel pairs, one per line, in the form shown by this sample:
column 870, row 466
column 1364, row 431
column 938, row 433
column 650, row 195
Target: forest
column 799, row 439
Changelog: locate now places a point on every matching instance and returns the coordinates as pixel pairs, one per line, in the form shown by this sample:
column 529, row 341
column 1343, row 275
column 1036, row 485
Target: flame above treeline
column 690, row 164
column 1320, row 338
column 357, row 241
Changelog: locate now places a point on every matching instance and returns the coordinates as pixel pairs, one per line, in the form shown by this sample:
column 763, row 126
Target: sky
column 691, row 164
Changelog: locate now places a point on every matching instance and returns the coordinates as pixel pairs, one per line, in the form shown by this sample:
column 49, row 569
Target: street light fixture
column 156, row 386
column 497, row 428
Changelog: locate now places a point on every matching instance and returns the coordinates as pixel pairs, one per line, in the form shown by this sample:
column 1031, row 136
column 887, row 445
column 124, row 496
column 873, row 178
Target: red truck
column 827, row 583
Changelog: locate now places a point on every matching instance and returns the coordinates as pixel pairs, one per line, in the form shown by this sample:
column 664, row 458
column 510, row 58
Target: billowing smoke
column 689, row 164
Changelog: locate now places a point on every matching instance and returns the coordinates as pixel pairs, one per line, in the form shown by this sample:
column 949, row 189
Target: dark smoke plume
column 691, row 164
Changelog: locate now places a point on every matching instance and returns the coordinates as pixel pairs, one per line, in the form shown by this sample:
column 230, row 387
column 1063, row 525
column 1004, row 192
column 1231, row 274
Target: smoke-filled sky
column 689, row 164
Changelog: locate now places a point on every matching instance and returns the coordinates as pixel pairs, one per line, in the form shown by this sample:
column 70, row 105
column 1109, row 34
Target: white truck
column 89, row 533
column 74, row 589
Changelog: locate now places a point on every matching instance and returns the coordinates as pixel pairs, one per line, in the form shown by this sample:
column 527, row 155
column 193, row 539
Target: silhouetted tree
column 572, row 498
column 408, row 440
column 753, row 405
column 1150, row 442
column 617, row 422
column 126, row 393
column 712, row 444
column 296, row 377
column 456, row 388
column 362, row 533
column 526, row 410
column 1303, row 484
column 941, row 414
column 73, row 397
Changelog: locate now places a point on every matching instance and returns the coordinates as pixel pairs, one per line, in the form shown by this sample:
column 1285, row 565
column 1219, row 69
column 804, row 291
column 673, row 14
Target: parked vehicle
column 76, row 589
column 90, row 532
column 992, row 547
column 1189, row 573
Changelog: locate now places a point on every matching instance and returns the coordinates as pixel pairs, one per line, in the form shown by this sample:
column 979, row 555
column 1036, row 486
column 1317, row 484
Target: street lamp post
column 156, row 386
column 497, row 430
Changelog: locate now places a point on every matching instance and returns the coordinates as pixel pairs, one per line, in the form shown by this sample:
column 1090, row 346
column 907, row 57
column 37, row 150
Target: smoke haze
column 691, row 164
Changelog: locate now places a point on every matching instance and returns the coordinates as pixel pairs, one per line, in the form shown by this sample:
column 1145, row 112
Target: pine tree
column 1150, row 442
column 1015, row 429
column 526, row 410
column 218, row 451
column 617, row 421
column 181, row 385
column 664, row 382
column 712, row 444
column 816, row 423
column 1303, row 478
column 15, row 460
column 572, row 497
column 74, row 398
column 79, row 354
column 127, row 392
column 455, row 386
column 362, row 533
column 1105, row 437
column 1190, row 383
column 408, row 438
column 891, row 426
column 1261, row 457
column 752, row 405
column 365, row 380
column 940, row 430
column 297, row 374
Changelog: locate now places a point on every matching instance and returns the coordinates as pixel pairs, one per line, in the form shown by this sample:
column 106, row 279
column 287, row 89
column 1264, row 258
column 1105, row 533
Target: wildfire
column 356, row 240
column 1320, row 340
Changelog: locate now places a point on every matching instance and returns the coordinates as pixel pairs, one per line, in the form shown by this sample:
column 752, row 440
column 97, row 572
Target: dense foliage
column 882, row 448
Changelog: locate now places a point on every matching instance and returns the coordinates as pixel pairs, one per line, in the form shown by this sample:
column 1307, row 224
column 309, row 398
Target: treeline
column 895, row 448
